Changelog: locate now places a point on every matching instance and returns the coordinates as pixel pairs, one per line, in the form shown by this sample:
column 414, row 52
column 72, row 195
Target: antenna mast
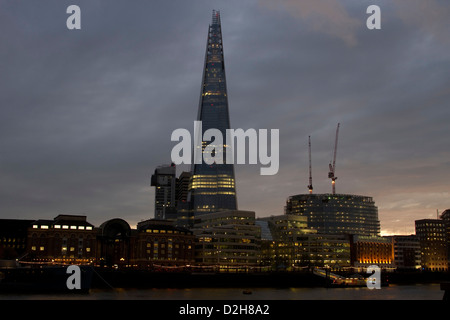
column 332, row 172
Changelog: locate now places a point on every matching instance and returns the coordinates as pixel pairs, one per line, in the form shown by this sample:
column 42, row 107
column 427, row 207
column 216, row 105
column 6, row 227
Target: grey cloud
column 86, row 117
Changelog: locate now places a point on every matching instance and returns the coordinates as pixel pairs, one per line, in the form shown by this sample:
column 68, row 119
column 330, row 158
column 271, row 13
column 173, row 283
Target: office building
column 164, row 181
column 372, row 250
column 288, row 243
column 228, row 240
column 336, row 213
column 281, row 248
column 182, row 187
column 406, row 251
column 432, row 234
column 325, row 251
column 185, row 216
column 445, row 217
column 212, row 187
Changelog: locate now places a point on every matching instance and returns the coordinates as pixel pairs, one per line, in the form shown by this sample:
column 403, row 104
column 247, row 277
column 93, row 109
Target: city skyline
column 86, row 115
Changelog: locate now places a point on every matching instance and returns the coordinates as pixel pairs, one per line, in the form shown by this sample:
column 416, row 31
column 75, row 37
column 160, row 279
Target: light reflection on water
column 393, row 292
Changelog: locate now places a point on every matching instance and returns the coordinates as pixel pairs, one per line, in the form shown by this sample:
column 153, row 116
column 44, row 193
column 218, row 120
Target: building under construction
column 336, row 213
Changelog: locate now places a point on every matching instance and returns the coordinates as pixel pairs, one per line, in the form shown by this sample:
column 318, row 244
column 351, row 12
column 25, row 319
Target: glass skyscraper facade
column 337, row 213
column 212, row 186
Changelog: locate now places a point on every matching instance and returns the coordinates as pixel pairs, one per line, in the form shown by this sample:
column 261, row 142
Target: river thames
column 392, row 292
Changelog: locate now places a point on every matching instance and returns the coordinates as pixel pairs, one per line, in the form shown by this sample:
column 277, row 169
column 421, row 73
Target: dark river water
column 392, row 292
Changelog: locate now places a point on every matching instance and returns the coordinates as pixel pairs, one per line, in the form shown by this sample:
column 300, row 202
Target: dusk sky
column 87, row 115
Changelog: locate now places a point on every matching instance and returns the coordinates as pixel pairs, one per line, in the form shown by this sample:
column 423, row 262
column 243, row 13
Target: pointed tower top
column 215, row 17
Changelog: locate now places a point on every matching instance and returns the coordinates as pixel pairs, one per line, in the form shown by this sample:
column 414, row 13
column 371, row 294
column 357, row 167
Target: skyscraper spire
column 215, row 17
column 212, row 186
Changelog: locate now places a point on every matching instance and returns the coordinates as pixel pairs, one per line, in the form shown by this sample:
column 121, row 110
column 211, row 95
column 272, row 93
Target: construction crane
column 332, row 172
column 310, row 187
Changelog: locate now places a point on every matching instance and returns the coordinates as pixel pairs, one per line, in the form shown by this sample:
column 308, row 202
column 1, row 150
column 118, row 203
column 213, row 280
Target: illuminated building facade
column 228, row 240
column 432, row 234
column 212, row 187
column 65, row 239
column 336, row 213
column 445, row 217
column 287, row 242
column 325, row 251
column 158, row 243
column 372, row 250
column 280, row 245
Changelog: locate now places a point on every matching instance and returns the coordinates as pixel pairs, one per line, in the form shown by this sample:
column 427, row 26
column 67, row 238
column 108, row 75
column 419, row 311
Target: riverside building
column 406, row 251
column 159, row 244
column 280, row 246
column 227, row 240
column 372, row 250
column 65, row 239
column 432, row 234
column 336, row 213
column 288, row 243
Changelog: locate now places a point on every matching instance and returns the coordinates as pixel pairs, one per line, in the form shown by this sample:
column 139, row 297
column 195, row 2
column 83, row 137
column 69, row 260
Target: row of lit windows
column 214, row 94
column 229, row 240
column 57, row 226
column 208, row 193
column 63, row 249
column 164, row 231
column 375, row 261
column 212, row 180
column 212, row 176
column 169, row 245
column 207, row 185
column 4, row 240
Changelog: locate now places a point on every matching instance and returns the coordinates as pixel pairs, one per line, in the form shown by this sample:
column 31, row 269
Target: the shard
column 212, row 186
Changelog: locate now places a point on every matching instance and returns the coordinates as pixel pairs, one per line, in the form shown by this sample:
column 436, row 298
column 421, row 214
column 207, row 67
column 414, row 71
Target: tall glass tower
column 212, row 186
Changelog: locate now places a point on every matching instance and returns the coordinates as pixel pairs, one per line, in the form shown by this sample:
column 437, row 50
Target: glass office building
column 212, row 186
column 337, row 213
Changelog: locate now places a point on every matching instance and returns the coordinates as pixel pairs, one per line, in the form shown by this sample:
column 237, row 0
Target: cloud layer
column 86, row 116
